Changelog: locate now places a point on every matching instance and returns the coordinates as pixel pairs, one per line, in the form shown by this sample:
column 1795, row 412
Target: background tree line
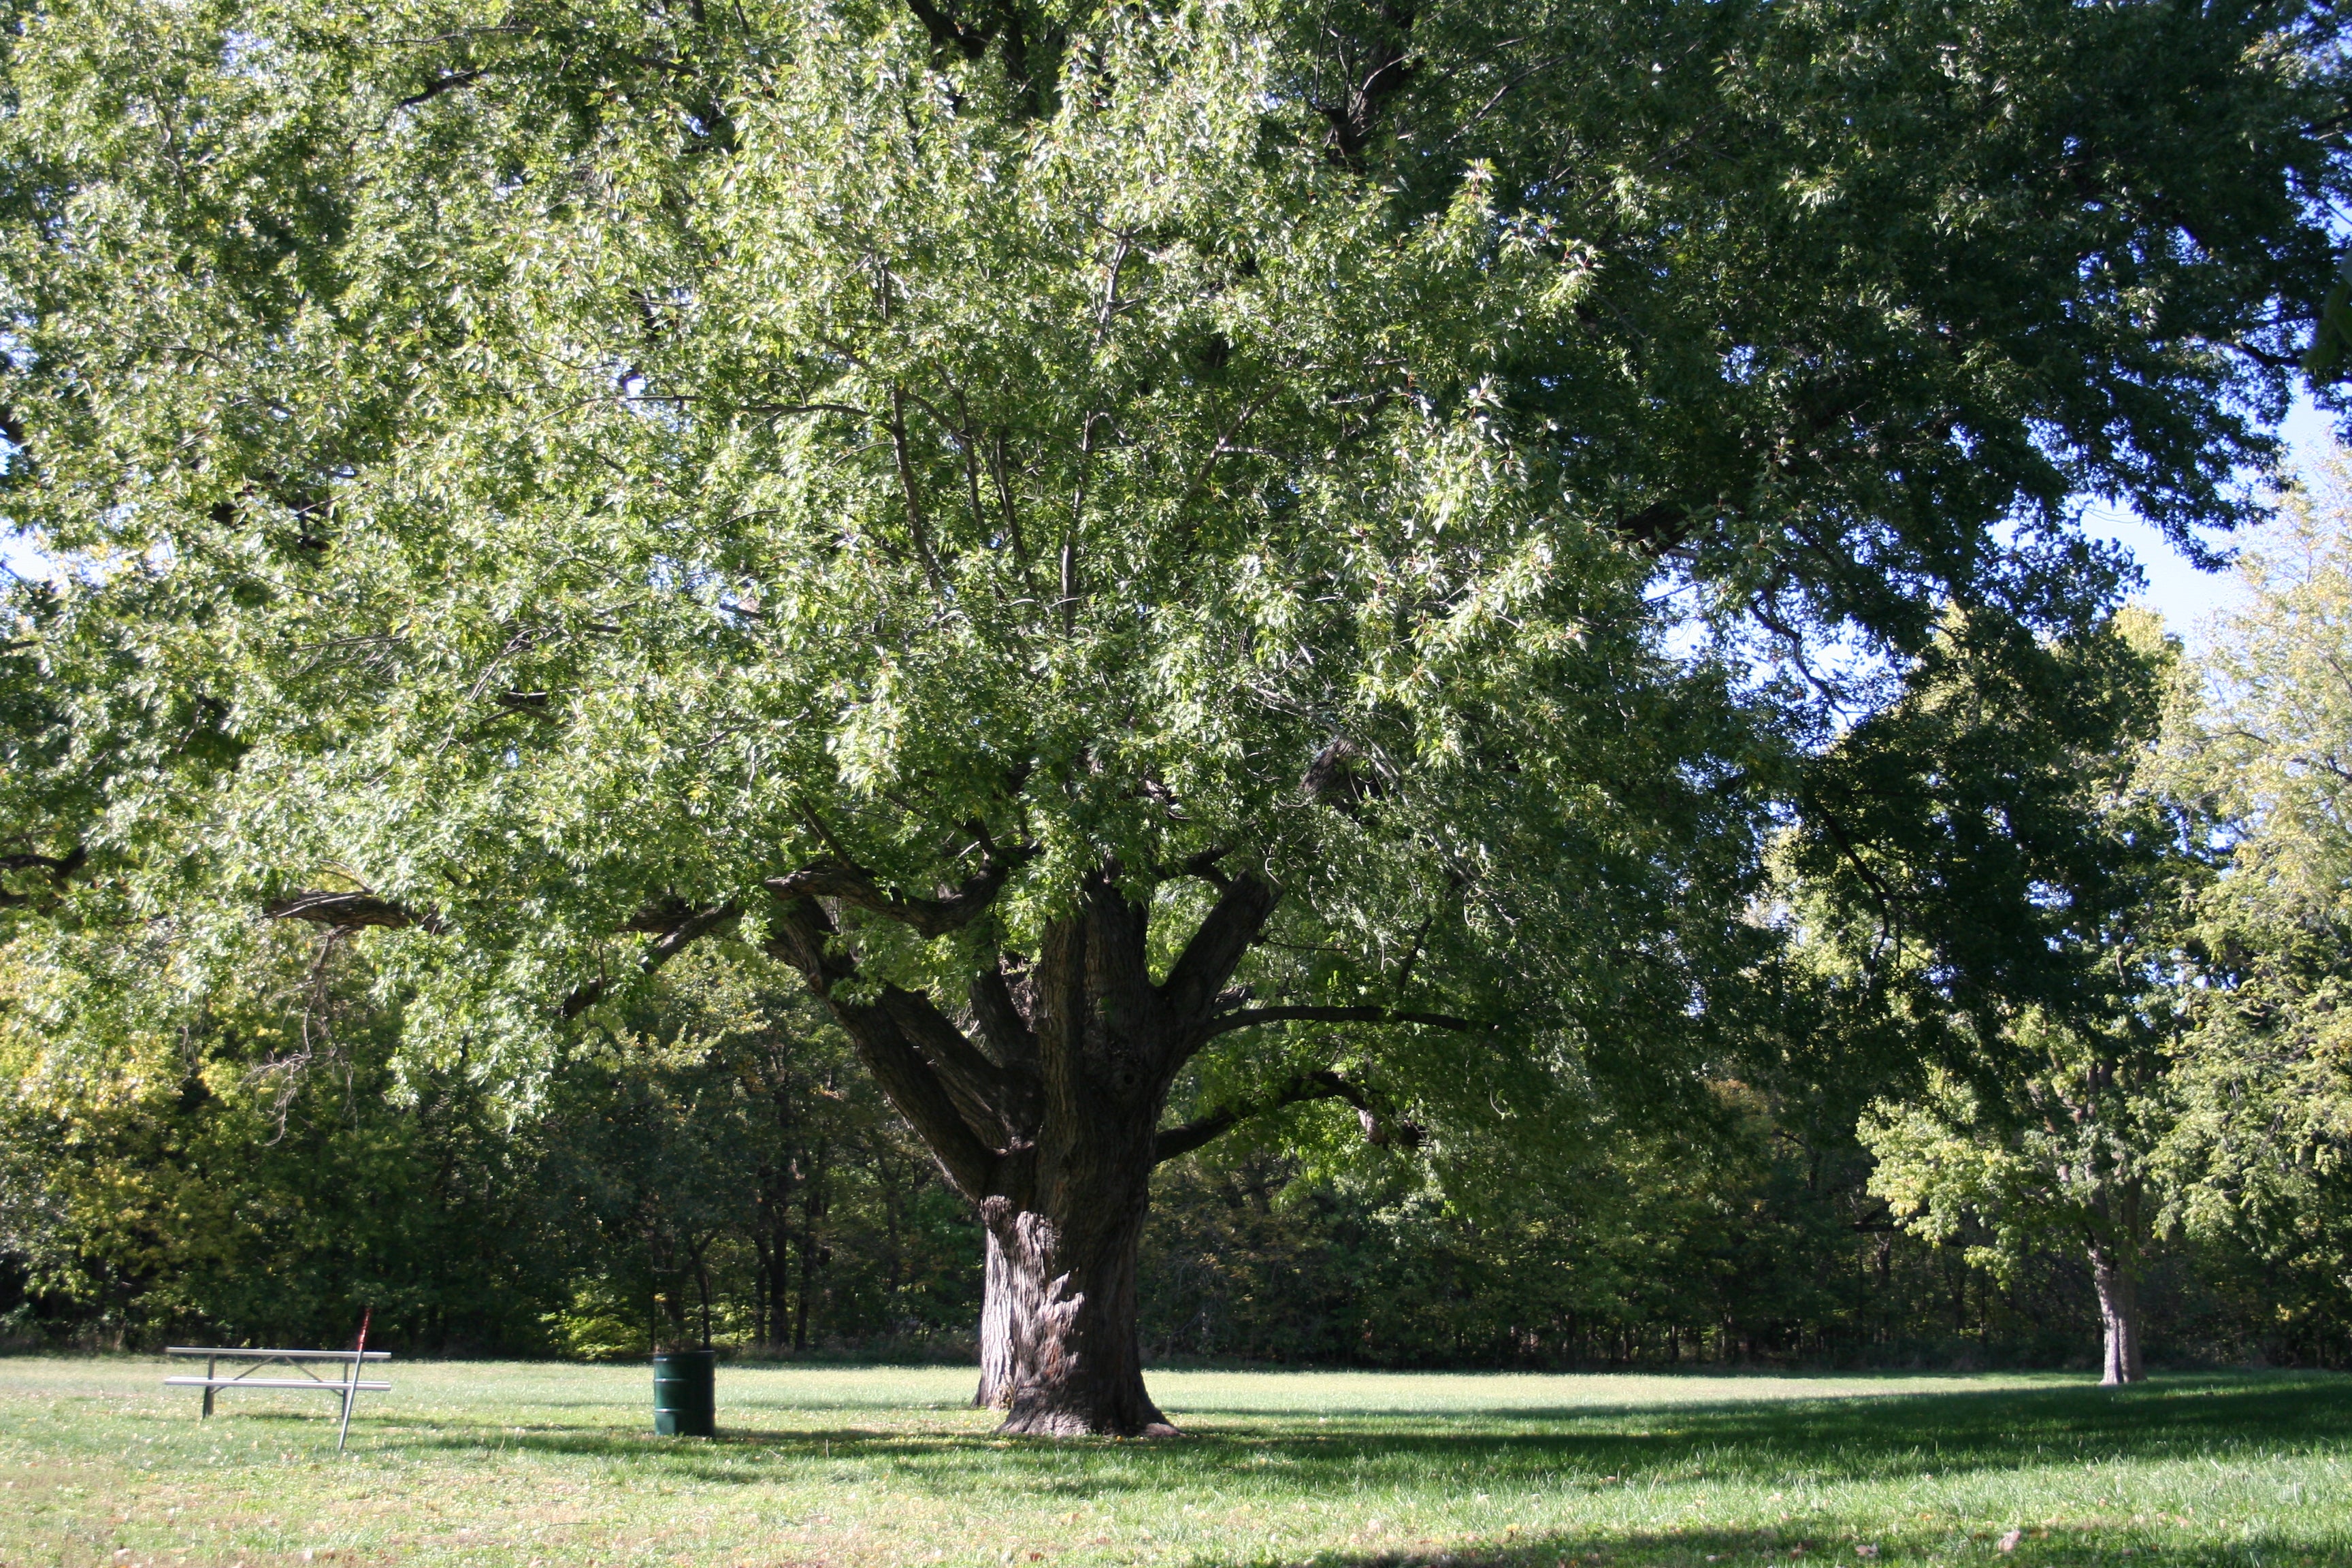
column 185, row 1155
column 669, row 1179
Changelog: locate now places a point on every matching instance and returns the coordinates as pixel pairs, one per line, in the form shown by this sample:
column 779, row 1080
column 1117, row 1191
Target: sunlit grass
column 501, row 1463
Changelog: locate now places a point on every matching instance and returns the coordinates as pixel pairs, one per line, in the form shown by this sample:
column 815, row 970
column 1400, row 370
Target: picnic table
column 349, row 1386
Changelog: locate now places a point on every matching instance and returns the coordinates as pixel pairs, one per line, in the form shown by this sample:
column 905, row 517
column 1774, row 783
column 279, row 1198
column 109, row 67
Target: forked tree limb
column 1224, row 937
column 804, row 938
column 1173, row 1141
column 998, row 1103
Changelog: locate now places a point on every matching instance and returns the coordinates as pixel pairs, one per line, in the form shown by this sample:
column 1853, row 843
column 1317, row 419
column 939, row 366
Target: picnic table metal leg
column 208, row 1390
column 351, row 1392
column 351, row 1383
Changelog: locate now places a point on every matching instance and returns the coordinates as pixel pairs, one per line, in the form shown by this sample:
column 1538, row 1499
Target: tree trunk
column 1044, row 1110
column 2118, row 1314
column 702, row 1286
column 996, row 1293
column 1059, row 1351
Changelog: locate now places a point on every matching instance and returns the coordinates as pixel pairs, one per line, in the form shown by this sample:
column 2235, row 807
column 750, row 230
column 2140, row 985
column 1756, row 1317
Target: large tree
column 1986, row 875
column 1198, row 550
column 2262, row 738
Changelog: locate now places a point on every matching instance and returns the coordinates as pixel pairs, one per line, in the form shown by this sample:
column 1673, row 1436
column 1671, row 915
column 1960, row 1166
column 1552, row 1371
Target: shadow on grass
column 1874, row 1436
column 1864, row 1437
column 734, row 1458
column 1795, row 1548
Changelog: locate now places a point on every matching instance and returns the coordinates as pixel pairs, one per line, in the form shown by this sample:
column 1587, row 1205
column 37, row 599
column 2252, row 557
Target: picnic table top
column 332, row 1386
column 275, row 1356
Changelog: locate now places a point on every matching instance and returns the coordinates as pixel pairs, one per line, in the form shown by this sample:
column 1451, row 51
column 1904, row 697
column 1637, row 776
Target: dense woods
column 1347, row 680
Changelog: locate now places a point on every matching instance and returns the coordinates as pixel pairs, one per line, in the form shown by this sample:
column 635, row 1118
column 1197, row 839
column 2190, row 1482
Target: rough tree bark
column 995, row 1391
column 2115, row 1239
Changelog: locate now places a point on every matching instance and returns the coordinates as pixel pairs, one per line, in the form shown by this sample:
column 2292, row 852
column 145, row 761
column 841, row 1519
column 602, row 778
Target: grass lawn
column 535, row 1466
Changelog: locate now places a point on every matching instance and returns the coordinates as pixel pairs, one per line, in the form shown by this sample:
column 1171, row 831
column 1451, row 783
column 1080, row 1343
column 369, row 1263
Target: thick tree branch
column 998, row 1103
column 1388, row 66
column 346, row 912
column 440, row 85
column 1173, row 1141
column 934, row 916
column 1656, row 530
column 55, row 865
column 1200, row 972
column 58, row 867
column 1203, row 867
column 803, row 938
column 1253, row 1017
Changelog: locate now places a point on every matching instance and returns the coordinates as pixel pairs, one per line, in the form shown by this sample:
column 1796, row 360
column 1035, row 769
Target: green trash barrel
column 684, row 1405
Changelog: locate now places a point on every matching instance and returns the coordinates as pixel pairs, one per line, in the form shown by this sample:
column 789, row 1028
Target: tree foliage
column 194, row 1137
column 2262, row 739
column 804, row 445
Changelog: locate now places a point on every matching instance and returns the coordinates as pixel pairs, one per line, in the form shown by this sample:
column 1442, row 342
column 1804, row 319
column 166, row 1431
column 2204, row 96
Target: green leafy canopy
column 538, row 472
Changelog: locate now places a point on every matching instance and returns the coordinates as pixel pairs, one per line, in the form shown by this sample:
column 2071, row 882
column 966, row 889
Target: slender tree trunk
column 807, row 1290
column 2111, row 1274
column 780, row 1274
column 672, row 1303
column 893, row 1253
column 760, row 1283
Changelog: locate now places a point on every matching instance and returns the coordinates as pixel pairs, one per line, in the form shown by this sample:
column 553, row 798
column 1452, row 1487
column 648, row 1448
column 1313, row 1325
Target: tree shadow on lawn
column 1795, row 1548
column 719, row 1459
column 1866, row 1437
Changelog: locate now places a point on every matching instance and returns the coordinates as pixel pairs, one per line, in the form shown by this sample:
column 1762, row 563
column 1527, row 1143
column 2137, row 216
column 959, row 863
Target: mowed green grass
column 533, row 1465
